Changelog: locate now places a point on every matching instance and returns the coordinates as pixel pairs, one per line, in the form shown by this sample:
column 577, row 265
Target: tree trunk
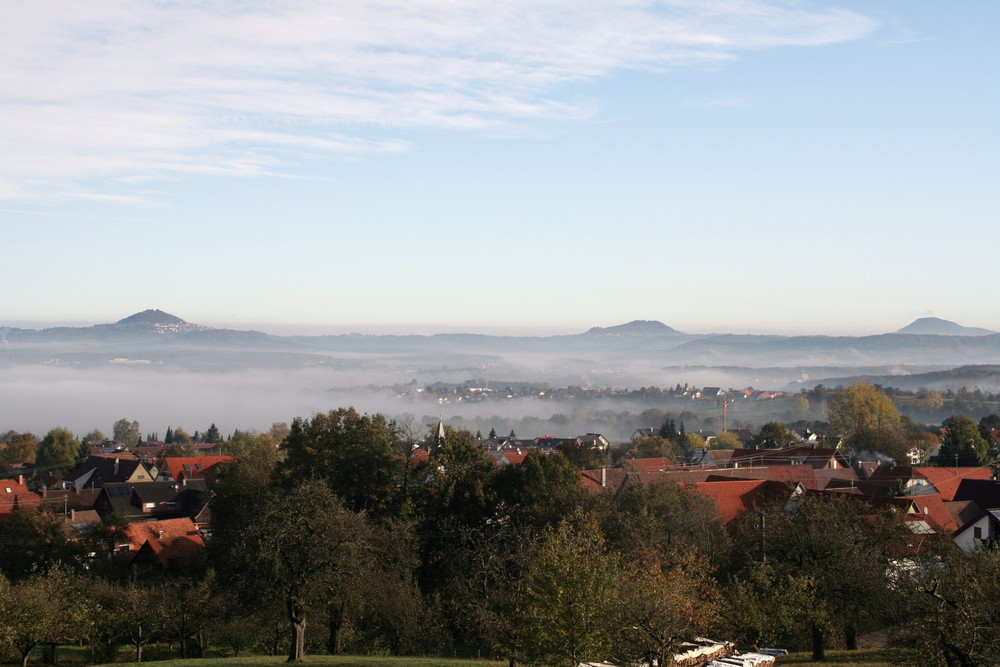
column 851, row 637
column 24, row 657
column 201, row 641
column 335, row 640
column 819, row 648
column 297, row 620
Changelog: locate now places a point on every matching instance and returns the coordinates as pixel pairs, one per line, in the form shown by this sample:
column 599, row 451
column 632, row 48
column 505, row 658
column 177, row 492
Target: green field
column 322, row 661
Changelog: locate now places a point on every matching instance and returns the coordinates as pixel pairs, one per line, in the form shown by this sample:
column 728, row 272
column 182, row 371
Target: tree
column 31, row 541
column 764, row 605
column 542, row 490
column 128, row 431
column 843, row 547
column 194, row 605
column 180, row 437
column 773, row 435
column 583, row 456
column 279, row 431
column 461, row 482
column 96, row 435
column 299, row 543
column 566, row 613
column 962, row 444
column 923, row 442
column 21, row 448
column 44, row 608
column 692, row 441
column 657, row 447
column 58, row 449
column 136, row 613
column 661, row 606
column 354, row 453
column 868, row 420
column 862, row 407
column 726, row 440
column 662, row 518
column 958, row 610
column 668, row 431
column 987, row 425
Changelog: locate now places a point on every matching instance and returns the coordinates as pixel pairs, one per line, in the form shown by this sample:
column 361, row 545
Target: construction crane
column 724, row 402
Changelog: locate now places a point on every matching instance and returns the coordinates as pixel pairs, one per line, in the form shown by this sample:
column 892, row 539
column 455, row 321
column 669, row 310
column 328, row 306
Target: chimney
column 116, row 465
column 45, row 492
column 20, row 480
column 604, row 477
column 159, row 534
column 72, row 515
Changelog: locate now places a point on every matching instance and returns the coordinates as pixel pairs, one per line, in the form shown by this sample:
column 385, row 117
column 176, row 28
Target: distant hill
column 939, row 327
column 152, row 316
column 634, row 328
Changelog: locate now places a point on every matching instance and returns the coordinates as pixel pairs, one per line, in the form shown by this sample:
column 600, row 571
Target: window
column 977, row 533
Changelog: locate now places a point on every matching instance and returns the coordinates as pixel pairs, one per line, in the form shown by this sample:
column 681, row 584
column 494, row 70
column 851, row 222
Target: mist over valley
column 161, row 370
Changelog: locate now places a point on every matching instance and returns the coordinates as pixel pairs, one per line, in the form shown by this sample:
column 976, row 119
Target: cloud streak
column 97, row 93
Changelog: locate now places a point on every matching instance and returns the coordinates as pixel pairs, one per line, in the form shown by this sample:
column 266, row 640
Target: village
column 713, row 515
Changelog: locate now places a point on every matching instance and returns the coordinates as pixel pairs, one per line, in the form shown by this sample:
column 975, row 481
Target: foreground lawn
column 319, row 661
column 873, row 657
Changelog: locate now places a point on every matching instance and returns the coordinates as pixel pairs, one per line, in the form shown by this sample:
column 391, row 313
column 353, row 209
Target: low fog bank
column 38, row 398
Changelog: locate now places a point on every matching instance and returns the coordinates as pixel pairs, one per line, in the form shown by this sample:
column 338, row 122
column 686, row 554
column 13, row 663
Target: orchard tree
column 659, row 606
column 957, row 610
column 299, row 544
column 47, row 607
column 566, row 612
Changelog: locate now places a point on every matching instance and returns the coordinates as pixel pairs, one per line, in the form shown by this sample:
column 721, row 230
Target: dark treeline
column 344, row 540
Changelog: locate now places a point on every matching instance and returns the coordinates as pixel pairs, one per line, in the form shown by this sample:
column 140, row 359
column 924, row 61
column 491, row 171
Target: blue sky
column 528, row 165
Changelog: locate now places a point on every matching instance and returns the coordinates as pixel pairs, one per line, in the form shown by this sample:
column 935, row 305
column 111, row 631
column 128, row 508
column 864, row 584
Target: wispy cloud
column 101, row 91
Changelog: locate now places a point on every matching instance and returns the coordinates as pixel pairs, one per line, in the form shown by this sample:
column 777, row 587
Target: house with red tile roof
column 933, row 508
column 808, row 455
column 14, row 496
column 179, row 468
column 652, row 464
column 947, row 480
column 733, row 498
column 163, row 543
column 603, row 479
